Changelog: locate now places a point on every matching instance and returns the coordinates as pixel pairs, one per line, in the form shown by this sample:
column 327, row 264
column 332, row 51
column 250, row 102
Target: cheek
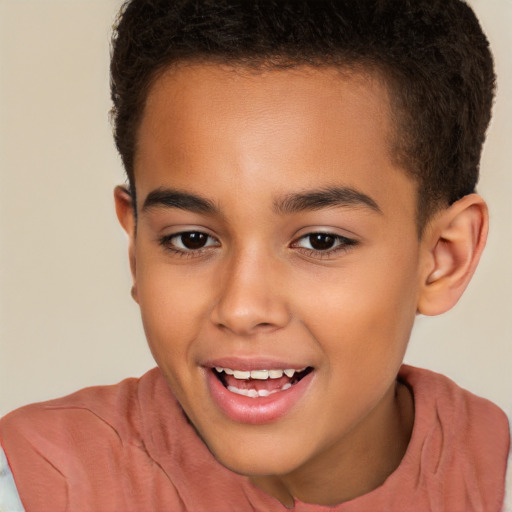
column 362, row 322
column 363, row 314
column 172, row 305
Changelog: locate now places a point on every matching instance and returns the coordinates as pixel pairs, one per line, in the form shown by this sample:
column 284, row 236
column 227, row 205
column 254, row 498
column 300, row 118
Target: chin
column 256, row 460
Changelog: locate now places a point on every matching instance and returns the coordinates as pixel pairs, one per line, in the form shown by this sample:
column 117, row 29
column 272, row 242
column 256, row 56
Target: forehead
column 303, row 127
column 277, row 98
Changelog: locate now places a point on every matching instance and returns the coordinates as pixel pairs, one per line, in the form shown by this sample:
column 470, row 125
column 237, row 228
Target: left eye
column 323, row 242
column 190, row 241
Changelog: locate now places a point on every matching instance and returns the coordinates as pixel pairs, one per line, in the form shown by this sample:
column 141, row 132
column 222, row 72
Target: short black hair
column 432, row 54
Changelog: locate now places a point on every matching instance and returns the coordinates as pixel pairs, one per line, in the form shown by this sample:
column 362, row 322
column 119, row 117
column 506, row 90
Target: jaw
column 359, row 465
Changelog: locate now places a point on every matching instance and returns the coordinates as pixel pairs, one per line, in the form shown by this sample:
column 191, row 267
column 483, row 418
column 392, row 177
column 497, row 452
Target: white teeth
column 258, row 374
column 241, row 375
column 254, row 393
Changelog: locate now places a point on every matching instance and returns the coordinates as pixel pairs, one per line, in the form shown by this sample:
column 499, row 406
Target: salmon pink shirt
column 129, row 448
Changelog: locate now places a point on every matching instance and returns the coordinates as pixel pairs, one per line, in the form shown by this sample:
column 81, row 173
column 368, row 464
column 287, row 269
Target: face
column 276, row 258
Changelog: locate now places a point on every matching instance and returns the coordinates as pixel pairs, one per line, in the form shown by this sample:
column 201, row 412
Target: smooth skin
column 234, row 271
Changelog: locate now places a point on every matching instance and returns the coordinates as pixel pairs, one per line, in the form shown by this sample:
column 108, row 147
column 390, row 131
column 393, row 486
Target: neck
column 357, row 464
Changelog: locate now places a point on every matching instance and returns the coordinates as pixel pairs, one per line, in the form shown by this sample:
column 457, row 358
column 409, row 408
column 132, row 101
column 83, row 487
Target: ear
column 452, row 245
column 126, row 216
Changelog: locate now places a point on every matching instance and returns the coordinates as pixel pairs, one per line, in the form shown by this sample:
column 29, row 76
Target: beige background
column 67, row 319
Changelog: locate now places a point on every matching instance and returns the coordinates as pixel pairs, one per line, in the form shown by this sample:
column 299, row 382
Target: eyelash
column 166, row 243
column 342, row 243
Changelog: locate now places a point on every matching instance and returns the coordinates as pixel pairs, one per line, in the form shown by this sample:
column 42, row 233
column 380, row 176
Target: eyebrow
column 170, row 198
column 329, row 197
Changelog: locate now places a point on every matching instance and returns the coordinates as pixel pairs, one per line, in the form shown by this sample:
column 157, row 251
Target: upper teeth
column 258, row 374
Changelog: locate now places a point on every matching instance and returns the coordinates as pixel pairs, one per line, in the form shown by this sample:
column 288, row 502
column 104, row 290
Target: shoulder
column 440, row 390
column 461, row 438
column 110, row 409
column 436, row 395
column 84, row 441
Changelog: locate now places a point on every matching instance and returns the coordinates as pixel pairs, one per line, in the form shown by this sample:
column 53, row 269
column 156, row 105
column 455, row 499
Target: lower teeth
column 254, row 393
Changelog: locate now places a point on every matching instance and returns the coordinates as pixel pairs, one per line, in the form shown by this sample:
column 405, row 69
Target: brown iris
column 194, row 240
column 321, row 241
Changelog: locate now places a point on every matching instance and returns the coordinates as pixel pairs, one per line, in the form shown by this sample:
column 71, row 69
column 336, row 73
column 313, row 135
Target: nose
column 252, row 295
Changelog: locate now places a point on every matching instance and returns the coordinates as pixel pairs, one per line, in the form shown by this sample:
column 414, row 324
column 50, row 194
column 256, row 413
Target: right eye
column 188, row 241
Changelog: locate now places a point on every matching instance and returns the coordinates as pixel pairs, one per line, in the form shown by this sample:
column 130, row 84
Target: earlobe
column 126, row 217
column 453, row 246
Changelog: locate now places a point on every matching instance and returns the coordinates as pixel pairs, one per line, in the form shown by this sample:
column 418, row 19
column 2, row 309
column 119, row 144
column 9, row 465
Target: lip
column 259, row 410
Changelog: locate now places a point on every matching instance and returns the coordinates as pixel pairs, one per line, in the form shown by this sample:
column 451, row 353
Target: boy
column 302, row 183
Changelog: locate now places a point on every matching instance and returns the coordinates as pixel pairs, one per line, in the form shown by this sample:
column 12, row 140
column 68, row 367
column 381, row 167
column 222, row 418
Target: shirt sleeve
column 9, row 497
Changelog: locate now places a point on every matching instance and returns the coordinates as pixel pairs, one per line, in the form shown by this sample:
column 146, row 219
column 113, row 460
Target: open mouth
column 259, row 383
